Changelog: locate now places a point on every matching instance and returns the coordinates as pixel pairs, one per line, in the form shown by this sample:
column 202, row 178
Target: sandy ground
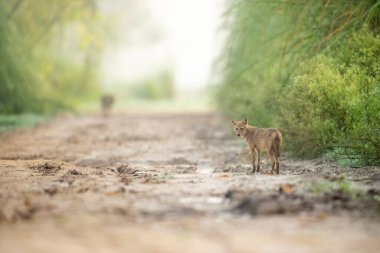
column 169, row 183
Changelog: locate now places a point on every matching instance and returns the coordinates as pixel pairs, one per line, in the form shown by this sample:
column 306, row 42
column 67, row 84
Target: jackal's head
column 240, row 127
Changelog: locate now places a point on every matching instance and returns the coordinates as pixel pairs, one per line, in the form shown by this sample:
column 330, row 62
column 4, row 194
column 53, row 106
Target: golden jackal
column 260, row 138
column 107, row 102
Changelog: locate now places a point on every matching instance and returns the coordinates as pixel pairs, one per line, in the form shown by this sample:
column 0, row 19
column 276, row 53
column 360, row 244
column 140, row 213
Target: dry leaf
column 287, row 188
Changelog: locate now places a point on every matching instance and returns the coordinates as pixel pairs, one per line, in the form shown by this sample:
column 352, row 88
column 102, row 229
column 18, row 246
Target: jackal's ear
column 233, row 122
column 245, row 121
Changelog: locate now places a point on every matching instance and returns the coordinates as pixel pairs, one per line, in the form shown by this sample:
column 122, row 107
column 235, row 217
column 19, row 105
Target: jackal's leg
column 258, row 159
column 276, row 151
column 271, row 157
column 277, row 164
column 253, row 158
column 105, row 112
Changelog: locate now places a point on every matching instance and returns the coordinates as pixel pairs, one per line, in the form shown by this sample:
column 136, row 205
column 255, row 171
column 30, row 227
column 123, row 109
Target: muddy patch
column 129, row 174
column 172, row 213
column 94, row 162
column 74, row 172
column 287, row 201
column 127, row 170
column 13, row 210
column 47, row 168
column 70, row 177
column 181, row 169
column 134, row 138
column 180, row 160
column 236, row 169
column 51, row 190
column 121, row 173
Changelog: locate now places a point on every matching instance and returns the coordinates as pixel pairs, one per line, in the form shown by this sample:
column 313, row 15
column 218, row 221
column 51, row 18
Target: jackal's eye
column 241, row 128
column 236, row 129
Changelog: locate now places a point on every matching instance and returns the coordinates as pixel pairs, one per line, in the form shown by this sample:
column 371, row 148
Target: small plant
column 164, row 176
column 323, row 186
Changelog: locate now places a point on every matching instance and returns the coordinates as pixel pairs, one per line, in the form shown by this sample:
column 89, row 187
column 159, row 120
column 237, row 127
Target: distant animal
column 258, row 139
column 107, row 103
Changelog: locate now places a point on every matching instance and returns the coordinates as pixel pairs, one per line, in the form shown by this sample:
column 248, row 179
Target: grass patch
column 323, row 186
column 337, row 155
column 165, row 176
column 8, row 122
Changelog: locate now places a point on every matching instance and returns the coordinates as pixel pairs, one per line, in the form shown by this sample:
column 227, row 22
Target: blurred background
column 308, row 67
column 63, row 55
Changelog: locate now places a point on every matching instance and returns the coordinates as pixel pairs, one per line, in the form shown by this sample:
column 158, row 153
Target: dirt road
column 172, row 183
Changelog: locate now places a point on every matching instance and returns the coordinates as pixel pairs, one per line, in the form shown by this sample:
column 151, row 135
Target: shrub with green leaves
column 333, row 102
column 267, row 41
column 310, row 68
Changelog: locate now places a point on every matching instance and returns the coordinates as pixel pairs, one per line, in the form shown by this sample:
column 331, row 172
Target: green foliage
column 158, row 86
column 268, row 40
column 332, row 102
column 314, row 106
column 322, row 186
column 12, row 121
column 284, row 65
column 49, row 54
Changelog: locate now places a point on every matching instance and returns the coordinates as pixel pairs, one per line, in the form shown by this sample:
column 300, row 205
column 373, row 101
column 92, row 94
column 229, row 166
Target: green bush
column 332, row 102
column 298, row 65
column 267, row 41
column 42, row 70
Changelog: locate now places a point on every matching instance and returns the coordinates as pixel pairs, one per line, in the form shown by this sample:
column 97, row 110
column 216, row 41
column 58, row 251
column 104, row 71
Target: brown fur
column 258, row 139
column 107, row 103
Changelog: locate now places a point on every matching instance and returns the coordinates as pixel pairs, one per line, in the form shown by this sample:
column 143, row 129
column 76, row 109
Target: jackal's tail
column 277, row 142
